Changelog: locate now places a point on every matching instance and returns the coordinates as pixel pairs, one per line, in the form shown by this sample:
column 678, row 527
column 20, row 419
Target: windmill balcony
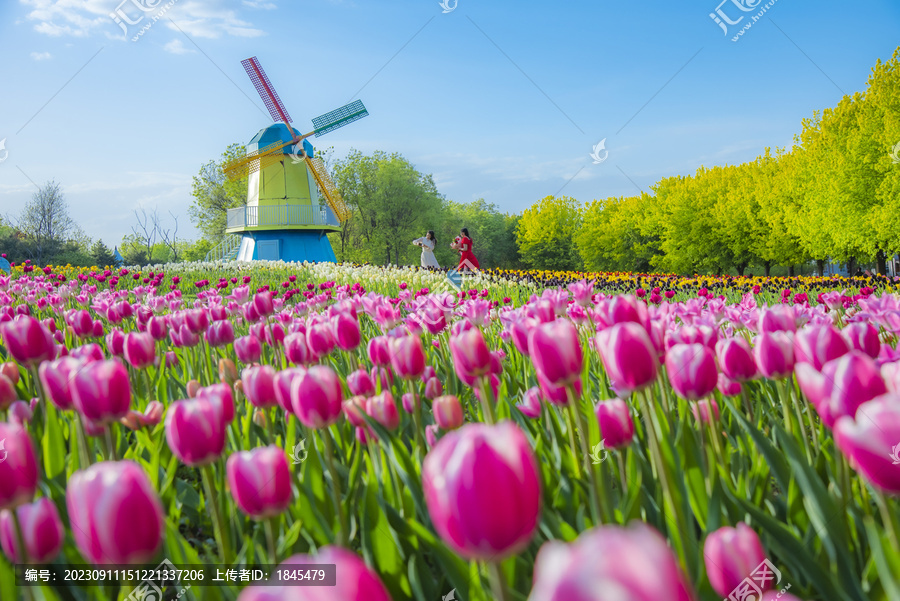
column 281, row 217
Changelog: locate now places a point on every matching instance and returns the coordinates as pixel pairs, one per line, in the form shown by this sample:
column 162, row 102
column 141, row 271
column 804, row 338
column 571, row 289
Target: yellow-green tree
column 546, row 234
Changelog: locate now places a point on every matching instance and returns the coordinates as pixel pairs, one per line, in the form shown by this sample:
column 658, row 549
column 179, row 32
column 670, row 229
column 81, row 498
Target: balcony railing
column 280, row 215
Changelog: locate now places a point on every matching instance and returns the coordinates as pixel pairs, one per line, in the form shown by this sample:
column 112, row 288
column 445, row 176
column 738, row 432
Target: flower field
column 539, row 435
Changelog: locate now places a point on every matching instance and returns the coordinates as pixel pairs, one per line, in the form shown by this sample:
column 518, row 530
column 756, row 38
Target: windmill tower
column 292, row 202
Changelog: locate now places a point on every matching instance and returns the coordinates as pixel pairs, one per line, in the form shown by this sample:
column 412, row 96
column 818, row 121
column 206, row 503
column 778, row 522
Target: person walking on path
column 463, row 244
column 428, row 243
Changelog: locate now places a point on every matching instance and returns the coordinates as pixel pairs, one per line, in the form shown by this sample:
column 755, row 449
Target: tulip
column 316, row 397
column 616, row 424
column 42, row 531
column 819, row 345
column 18, row 470
column 88, row 353
column 407, row 357
column 282, row 383
column 220, row 396
column 731, row 555
column 383, row 410
column 27, row 341
column 774, row 353
column 728, row 387
column 115, row 342
column 447, row 411
column 11, row 371
column 297, row 350
column 849, row 382
column 115, row 513
column 471, row 356
column 871, row 442
column 220, row 333
column 531, row 403
column 227, row 371
column 692, row 370
column 701, row 410
column 101, row 391
column 409, row 402
column 891, row 374
column 354, row 409
column 248, row 349
column 157, row 327
column 260, row 481
column 8, row 394
column 628, row 355
column 21, row 412
column 622, row 309
column 379, row 351
column 433, row 389
column 81, row 323
column 139, row 350
column 346, row 331
column 320, row 339
column 555, row 350
column 192, row 388
column 259, row 386
column 462, row 477
column 355, row 580
column 359, row 383
column 609, row 562
column 863, row 336
column 431, row 435
column 195, row 431
column 262, row 303
column 704, row 335
column 520, row 330
column 779, row 318
column 736, row 360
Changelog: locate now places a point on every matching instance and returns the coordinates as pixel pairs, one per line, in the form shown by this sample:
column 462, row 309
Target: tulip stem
column 417, row 417
column 497, row 585
column 598, row 505
column 269, row 527
column 85, row 456
column 110, row 444
column 570, row 427
column 887, row 518
column 486, row 398
column 335, row 488
column 212, row 504
column 23, row 550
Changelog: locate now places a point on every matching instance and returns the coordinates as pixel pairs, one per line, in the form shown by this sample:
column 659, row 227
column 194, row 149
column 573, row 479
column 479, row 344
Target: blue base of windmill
column 286, row 245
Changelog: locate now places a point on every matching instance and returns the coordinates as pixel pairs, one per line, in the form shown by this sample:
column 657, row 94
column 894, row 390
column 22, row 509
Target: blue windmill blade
column 338, row 118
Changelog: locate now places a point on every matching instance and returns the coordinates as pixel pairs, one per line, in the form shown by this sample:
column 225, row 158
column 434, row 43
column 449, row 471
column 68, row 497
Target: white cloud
column 260, row 4
column 176, row 46
column 41, row 56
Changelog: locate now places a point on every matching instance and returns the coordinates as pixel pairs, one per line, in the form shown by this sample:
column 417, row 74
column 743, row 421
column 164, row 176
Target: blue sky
column 499, row 100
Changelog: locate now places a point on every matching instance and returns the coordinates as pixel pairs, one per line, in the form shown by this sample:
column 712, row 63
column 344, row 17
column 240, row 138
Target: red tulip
column 462, row 477
column 316, row 397
column 260, row 481
column 628, row 355
column 115, row 513
column 692, row 370
column 27, row 341
column 18, row 470
column 616, row 424
column 195, row 431
column 555, row 350
column 731, row 555
column 42, row 531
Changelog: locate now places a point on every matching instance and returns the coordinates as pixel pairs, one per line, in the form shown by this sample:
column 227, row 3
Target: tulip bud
column 115, row 342
column 193, row 386
column 379, row 351
column 260, row 481
column 316, row 397
column 42, row 531
column 701, row 409
column 354, row 408
column 157, row 327
column 555, row 350
column 195, row 431
column 628, row 355
column 248, row 349
column 736, row 360
column 346, row 331
column 531, row 403
column 471, row 356
column 407, row 357
column 731, row 555
column 115, row 513
column 227, row 371
column 101, row 391
column 383, row 410
column 20, row 413
column 728, row 387
column 258, row 384
column 8, row 394
column 774, row 353
column 409, row 401
column 11, row 371
column 139, row 350
column 27, row 341
column 359, row 383
column 18, row 471
column 297, row 350
column 431, row 435
column 447, row 411
column 692, row 370
column 433, row 389
column 320, row 339
column 616, row 424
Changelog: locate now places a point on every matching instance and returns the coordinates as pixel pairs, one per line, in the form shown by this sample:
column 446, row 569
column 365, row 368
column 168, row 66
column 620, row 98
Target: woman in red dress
column 463, row 244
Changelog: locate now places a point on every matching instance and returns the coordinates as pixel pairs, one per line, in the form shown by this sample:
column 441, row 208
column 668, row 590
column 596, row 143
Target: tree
column 610, row 238
column 494, row 241
column 101, row 254
column 145, row 231
column 214, row 194
column 45, row 224
column 168, row 236
column 546, row 234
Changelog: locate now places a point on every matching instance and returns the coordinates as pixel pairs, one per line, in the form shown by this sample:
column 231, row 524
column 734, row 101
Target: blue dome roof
column 277, row 132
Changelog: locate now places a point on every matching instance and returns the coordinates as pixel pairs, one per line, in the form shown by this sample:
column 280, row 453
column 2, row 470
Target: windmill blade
column 329, row 190
column 266, row 91
column 250, row 163
column 338, row 118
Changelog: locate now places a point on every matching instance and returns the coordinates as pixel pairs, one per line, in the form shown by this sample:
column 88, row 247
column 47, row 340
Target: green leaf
column 54, row 450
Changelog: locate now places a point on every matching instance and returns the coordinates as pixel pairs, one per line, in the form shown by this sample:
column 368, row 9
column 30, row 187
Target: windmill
column 285, row 217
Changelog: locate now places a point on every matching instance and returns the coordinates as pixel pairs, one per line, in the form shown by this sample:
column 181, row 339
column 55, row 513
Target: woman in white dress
column 428, row 243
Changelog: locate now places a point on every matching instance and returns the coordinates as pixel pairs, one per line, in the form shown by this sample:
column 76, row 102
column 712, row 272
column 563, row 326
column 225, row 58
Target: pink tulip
column 56, row 379
column 407, row 357
column 728, row 387
column 195, row 431
column 81, row 323
column 101, row 391
column 320, row 339
column 11, row 371
column 616, row 424
column 383, row 410
column 316, row 397
column 471, row 356
column 262, row 304
column 355, row 581
column 819, row 345
column 21, row 412
column 297, row 351
column 731, row 555
column 431, row 435
column 610, row 562
column 88, row 353
column 736, row 360
column 359, row 383
column 692, row 370
column 27, row 341
column 115, row 513
column 98, row 329
column 139, row 350
column 863, row 336
column 433, row 389
column 871, row 442
column 221, row 398
column 850, row 381
column 447, row 411
column 622, row 309
column 42, row 531
column 282, row 383
column 701, row 410
column 890, row 372
column 248, row 349
column 379, row 351
column 555, row 351
column 774, row 353
column 778, row 318
column 519, row 331
column 19, row 470
column 259, row 386
column 346, row 331
column 115, row 342
column 628, row 355
column 704, row 335
column 219, row 333
column 260, row 481
column 354, row 409
column 8, row 394
column 462, row 477
column 157, row 327
column 531, row 403
column 409, row 402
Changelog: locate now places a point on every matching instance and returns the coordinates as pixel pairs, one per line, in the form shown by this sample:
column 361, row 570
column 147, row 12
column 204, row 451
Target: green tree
column 101, row 254
column 214, row 194
column 546, row 234
column 493, row 240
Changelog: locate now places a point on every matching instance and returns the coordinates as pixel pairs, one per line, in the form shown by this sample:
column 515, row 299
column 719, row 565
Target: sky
column 503, row 100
